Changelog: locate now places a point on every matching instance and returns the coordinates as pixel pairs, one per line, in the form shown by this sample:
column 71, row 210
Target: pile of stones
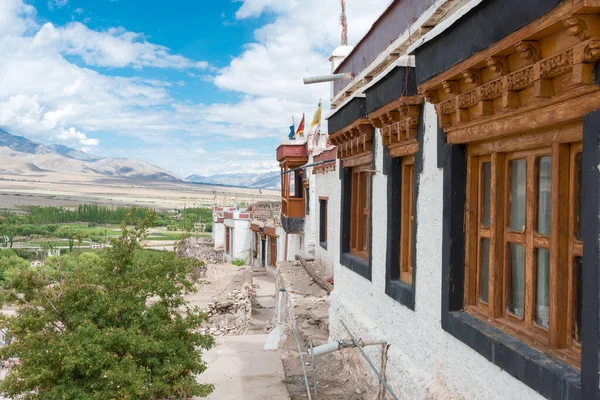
column 230, row 315
column 202, row 249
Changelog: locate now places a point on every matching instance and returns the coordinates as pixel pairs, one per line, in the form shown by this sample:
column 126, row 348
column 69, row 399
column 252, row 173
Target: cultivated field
column 53, row 189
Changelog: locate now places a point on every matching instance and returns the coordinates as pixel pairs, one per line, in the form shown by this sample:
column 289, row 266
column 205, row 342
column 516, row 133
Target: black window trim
column 398, row 290
column 347, row 259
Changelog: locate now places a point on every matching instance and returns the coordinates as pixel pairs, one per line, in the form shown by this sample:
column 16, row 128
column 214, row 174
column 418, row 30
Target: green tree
column 116, row 326
column 10, row 260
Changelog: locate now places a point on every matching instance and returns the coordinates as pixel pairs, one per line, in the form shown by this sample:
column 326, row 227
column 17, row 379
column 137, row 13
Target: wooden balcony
column 291, row 155
column 293, row 207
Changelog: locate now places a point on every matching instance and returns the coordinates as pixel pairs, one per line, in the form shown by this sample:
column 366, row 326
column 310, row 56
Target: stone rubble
column 202, row 249
column 231, row 315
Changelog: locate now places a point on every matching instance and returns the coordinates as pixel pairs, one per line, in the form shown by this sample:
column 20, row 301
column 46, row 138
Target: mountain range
column 264, row 180
column 19, row 155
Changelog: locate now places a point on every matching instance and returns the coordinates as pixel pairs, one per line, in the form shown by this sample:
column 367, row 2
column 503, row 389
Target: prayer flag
column 300, row 131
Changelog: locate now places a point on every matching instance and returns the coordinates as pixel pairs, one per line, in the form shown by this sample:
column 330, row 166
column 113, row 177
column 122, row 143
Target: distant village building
column 455, row 199
column 253, row 235
column 218, row 231
column 268, row 236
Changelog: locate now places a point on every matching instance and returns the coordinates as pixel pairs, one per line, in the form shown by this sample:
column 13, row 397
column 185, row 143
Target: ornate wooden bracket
column 550, row 61
column 353, row 140
column 398, row 122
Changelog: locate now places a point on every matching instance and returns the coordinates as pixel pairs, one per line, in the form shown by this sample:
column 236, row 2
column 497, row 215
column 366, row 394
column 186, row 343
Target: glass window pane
column 366, row 233
column 542, row 310
column 366, row 203
column 518, row 187
column 578, row 196
column 484, row 270
column 486, row 175
column 516, row 279
column 292, row 184
column 578, row 299
column 544, row 186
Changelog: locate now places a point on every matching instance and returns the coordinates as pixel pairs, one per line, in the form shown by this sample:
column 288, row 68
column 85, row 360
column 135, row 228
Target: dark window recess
column 351, row 261
column 323, row 223
column 474, row 34
column 355, row 109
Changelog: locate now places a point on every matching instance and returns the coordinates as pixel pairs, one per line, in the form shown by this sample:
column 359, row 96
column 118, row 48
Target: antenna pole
column 344, row 23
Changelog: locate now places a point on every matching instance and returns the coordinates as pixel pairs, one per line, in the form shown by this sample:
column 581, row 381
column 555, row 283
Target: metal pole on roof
column 328, row 78
column 344, row 23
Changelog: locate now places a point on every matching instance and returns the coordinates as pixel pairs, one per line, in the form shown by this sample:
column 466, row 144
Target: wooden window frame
column 360, row 211
column 323, row 204
column 562, row 242
column 256, row 245
column 273, row 251
column 407, row 219
column 227, row 240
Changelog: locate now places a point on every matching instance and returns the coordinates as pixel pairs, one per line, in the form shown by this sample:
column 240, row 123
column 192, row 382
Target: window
column 524, row 250
column 227, row 240
column 361, row 212
column 273, row 251
column 407, row 220
column 256, row 245
column 294, row 184
column 323, row 221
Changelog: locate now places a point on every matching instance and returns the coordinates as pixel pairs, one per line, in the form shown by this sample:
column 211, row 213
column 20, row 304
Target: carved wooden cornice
column 551, row 61
column 353, row 140
column 398, row 122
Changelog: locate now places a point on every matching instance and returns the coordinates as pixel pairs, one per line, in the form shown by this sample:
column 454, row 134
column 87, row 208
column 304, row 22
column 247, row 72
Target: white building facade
column 466, row 160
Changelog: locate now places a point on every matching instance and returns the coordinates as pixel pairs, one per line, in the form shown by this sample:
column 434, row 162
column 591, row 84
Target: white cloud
column 72, row 135
column 57, row 3
column 15, row 17
column 43, row 95
column 78, row 11
column 295, row 45
column 115, row 47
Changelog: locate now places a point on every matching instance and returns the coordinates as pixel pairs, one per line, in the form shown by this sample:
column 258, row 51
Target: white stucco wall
column 218, row 234
column 311, row 220
column 295, row 245
column 280, row 243
column 242, row 240
column 328, row 185
column 423, row 360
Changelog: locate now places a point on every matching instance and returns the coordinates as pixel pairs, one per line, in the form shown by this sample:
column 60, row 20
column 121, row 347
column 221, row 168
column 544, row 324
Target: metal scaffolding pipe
column 338, row 345
column 328, row 78
column 381, row 379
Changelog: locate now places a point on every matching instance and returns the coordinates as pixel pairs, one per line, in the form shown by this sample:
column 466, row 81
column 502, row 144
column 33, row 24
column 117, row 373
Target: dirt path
column 238, row 366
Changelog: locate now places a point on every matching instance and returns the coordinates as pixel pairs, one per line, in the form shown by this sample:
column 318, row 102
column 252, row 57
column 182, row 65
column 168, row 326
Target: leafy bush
column 113, row 326
column 238, row 262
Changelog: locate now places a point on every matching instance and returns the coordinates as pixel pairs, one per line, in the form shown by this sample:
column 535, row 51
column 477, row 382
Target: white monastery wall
column 311, row 220
column 218, row 234
column 280, row 243
column 328, row 185
column 424, row 361
column 242, row 240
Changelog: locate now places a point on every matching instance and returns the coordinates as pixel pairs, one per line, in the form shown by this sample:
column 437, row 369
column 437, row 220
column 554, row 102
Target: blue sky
column 190, row 85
